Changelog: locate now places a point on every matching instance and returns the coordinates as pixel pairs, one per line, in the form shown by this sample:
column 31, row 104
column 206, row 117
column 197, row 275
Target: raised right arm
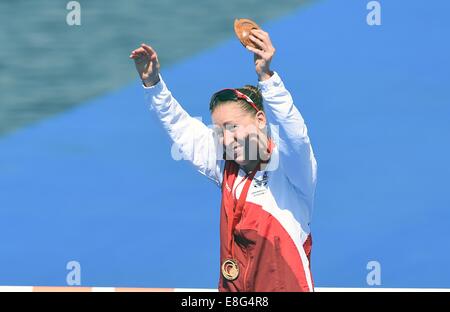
column 192, row 138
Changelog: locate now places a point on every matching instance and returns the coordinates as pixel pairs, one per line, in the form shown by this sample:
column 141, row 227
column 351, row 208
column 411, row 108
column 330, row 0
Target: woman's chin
column 240, row 160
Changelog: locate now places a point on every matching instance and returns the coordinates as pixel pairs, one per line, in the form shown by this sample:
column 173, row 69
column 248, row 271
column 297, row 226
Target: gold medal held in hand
column 230, row 269
column 243, row 28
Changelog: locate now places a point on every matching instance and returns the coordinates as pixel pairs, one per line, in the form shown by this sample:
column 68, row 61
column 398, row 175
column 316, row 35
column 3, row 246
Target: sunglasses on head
column 233, row 95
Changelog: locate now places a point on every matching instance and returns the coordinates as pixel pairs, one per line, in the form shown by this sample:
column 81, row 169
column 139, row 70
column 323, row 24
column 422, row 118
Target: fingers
column 263, row 36
column 143, row 50
column 258, row 52
column 258, row 42
column 137, row 53
column 148, row 49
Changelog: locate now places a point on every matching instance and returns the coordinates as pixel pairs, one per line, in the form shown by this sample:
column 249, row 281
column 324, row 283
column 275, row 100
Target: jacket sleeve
column 296, row 157
column 191, row 137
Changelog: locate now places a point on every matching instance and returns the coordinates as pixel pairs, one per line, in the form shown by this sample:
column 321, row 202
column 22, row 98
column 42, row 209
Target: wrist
column 150, row 81
column 265, row 75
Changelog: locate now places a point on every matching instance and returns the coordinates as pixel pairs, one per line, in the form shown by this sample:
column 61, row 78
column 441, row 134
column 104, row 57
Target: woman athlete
column 259, row 154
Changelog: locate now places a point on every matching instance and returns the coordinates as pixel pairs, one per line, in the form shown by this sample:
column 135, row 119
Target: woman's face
column 240, row 132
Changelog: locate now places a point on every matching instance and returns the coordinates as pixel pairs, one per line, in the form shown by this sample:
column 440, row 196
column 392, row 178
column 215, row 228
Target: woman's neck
column 250, row 166
column 263, row 154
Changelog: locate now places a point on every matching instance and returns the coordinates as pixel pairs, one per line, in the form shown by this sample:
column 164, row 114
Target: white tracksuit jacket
column 274, row 232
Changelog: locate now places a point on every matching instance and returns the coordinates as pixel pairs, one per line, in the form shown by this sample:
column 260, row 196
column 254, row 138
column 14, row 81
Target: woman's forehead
column 228, row 110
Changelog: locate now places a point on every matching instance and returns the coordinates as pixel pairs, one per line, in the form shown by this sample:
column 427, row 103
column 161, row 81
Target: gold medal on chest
column 230, row 269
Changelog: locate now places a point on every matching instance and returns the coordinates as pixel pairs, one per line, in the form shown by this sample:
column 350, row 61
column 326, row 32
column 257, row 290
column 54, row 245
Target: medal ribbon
column 235, row 213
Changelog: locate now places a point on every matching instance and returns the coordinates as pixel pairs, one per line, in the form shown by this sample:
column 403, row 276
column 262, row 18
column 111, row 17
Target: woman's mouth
column 237, row 151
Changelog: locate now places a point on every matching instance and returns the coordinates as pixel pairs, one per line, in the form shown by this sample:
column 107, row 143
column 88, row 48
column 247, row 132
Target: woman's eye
column 230, row 127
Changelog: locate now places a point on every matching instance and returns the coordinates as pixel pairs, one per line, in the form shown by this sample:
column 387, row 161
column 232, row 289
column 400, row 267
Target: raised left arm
column 296, row 154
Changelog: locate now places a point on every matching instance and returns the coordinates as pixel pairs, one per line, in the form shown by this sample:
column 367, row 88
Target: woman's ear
column 261, row 118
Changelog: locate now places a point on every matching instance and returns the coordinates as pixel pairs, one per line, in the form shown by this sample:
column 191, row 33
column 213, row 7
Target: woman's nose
column 228, row 138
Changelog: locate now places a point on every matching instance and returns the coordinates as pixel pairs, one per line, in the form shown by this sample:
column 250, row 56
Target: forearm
column 280, row 105
column 296, row 154
column 183, row 129
column 193, row 140
column 265, row 75
column 150, row 82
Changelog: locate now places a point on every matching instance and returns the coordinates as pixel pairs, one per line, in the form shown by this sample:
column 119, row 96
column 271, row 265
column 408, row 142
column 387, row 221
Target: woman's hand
column 263, row 53
column 147, row 64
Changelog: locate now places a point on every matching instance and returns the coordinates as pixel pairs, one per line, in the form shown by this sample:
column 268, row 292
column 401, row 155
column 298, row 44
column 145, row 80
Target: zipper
column 249, row 262
column 279, row 280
